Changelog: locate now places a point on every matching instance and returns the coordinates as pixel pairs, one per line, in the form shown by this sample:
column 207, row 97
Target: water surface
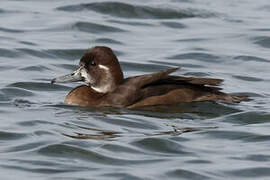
column 41, row 138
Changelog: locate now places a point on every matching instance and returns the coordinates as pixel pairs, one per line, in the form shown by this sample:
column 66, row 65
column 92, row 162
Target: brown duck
column 100, row 70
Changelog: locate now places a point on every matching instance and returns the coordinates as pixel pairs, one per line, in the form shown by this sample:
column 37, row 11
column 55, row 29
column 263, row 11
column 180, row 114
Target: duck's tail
column 223, row 97
column 227, row 98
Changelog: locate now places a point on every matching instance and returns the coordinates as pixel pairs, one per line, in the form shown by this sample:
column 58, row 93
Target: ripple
column 186, row 174
column 248, row 78
column 174, row 25
column 251, row 58
column 23, row 103
column 28, row 43
column 252, row 117
column 7, row 67
column 159, row 145
column 8, row 53
column 26, row 147
column 66, row 66
column 119, row 175
column 258, row 138
column 16, row 92
column 107, row 41
column 107, row 136
column 262, row 29
column 46, row 170
column 11, row 135
column 36, row 163
column 10, row 30
column 263, row 41
column 35, row 53
column 34, row 123
column 3, row 97
column 254, row 157
column 178, row 64
column 118, row 148
column 61, row 150
column 199, row 56
column 132, row 123
column 38, row 68
column 199, row 161
column 125, row 10
column 251, row 172
column 191, row 40
column 198, row 74
column 130, row 66
column 95, row 28
column 258, row 158
column 130, row 22
column 69, row 54
column 230, row 135
column 37, row 86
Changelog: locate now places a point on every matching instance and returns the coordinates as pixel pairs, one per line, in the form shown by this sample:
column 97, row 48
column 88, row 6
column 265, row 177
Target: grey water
column 41, row 138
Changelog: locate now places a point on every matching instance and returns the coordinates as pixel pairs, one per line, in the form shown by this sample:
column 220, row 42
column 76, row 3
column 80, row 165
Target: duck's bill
column 72, row 77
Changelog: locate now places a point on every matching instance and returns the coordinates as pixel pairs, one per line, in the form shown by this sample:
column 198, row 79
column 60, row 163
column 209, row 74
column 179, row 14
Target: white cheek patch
column 105, row 85
column 103, row 67
column 86, row 76
column 103, row 89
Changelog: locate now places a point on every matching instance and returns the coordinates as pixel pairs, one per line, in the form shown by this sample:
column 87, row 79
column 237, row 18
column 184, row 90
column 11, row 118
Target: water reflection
column 100, row 134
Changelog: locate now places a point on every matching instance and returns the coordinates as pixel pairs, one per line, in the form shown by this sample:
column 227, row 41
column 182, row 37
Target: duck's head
column 99, row 68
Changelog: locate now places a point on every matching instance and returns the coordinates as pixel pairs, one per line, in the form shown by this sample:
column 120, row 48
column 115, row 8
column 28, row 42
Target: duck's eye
column 93, row 63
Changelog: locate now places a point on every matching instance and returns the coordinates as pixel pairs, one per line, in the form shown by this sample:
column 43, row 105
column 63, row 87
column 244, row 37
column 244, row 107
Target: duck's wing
column 192, row 80
column 164, row 77
column 154, row 84
column 130, row 91
column 143, row 80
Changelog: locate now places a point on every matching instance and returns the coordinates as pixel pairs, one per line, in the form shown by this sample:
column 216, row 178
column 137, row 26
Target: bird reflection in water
column 99, row 134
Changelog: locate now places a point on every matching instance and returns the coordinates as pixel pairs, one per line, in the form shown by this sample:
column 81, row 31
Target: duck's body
column 100, row 69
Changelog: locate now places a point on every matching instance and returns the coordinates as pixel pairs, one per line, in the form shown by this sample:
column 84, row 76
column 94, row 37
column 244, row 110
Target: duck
column 105, row 85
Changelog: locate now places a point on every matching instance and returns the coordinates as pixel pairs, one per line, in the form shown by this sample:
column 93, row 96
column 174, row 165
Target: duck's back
column 161, row 88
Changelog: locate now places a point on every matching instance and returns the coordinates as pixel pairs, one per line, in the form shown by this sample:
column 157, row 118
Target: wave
column 125, row 10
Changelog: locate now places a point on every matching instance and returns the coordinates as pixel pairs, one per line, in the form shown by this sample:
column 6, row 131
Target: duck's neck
column 104, row 88
column 110, row 81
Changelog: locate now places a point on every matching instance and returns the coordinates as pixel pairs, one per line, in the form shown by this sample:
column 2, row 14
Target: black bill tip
column 53, row 80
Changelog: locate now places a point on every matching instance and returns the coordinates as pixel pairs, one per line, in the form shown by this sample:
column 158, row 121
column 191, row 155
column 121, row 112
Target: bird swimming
column 100, row 70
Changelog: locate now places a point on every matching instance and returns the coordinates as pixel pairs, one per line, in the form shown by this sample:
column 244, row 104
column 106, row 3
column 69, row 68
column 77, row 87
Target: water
column 41, row 138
